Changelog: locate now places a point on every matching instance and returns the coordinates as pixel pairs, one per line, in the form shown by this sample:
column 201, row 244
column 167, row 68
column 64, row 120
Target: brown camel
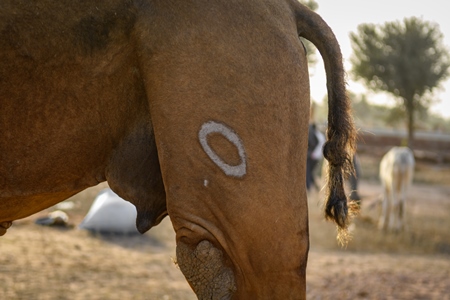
column 196, row 109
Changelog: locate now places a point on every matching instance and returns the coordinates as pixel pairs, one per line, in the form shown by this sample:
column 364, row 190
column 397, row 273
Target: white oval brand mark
column 230, row 135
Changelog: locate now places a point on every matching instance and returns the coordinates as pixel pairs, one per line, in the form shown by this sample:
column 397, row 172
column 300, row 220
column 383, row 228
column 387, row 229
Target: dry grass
column 49, row 263
column 428, row 214
column 428, row 224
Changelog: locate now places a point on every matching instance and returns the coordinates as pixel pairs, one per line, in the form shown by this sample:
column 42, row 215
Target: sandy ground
column 414, row 264
column 39, row 262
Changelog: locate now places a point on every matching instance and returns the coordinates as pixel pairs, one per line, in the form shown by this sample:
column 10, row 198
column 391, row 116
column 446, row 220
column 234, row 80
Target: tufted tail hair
column 341, row 134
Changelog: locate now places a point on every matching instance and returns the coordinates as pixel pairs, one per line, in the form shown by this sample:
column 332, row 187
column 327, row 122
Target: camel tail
column 341, row 133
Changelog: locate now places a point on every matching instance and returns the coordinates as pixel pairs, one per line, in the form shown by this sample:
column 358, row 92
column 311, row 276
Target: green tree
column 310, row 48
column 406, row 59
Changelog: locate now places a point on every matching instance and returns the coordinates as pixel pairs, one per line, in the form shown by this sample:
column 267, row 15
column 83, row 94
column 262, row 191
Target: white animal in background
column 396, row 175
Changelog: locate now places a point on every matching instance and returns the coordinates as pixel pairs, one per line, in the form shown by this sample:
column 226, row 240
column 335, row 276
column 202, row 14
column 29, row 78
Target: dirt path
column 349, row 275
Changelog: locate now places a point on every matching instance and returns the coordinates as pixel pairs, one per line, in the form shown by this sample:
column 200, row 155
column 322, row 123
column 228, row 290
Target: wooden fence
column 427, row 145
column 430, row 146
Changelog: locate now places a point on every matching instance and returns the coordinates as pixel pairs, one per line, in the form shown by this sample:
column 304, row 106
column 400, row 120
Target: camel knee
column 205, row 271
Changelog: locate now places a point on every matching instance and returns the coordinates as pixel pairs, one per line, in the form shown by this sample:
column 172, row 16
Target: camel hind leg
column 394, row 212
column 385, row 209
column 402, row 205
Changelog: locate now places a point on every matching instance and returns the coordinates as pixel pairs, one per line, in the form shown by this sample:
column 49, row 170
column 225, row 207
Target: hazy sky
column 344, row 16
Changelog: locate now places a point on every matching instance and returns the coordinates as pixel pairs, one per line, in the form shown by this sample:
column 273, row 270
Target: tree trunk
column 410, row 122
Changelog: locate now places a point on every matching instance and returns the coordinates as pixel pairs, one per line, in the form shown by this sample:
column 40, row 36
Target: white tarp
column 110, row 214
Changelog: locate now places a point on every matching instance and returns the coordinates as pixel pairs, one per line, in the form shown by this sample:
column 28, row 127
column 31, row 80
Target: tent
column 110, row 214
